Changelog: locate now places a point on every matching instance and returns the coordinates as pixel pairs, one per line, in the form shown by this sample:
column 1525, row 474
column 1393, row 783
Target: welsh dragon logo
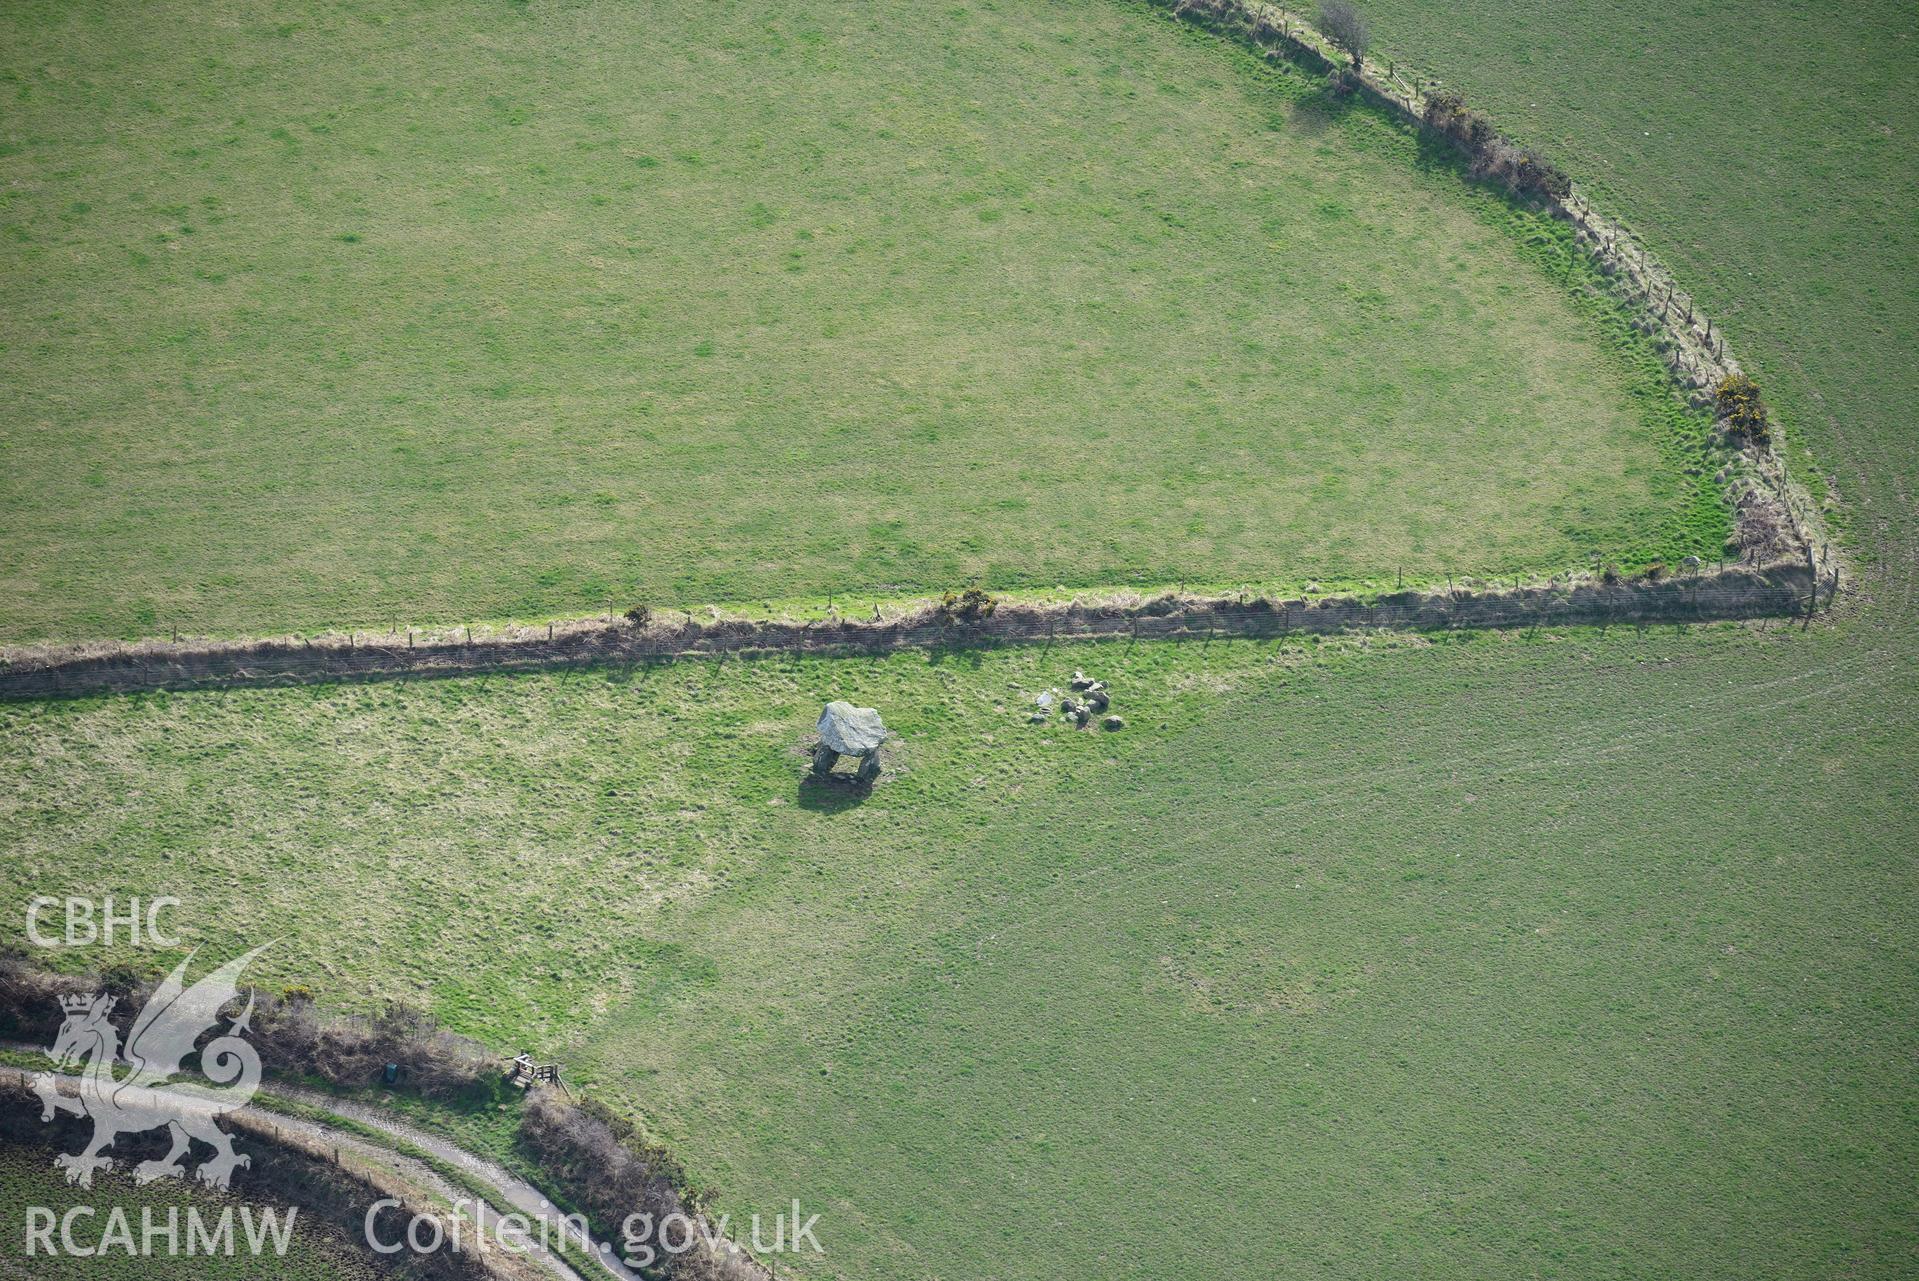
column 162, row 1035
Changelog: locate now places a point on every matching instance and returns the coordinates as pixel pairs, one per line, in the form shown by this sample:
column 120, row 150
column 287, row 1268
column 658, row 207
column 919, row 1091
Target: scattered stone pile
column 1089, row 698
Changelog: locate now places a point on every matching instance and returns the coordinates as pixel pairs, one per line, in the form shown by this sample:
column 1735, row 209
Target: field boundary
column 1773, row 516
column 1786, row 588
column 1788, row 560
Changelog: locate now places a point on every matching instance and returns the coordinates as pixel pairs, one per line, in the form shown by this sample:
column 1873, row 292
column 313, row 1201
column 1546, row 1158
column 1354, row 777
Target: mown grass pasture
column 1775, row 176
column 1352, row 953
column 452, row 313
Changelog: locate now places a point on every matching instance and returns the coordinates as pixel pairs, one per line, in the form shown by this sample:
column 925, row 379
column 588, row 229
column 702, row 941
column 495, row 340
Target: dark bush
column 969, row 606
column 1761, row 529
column 1524, row 170
column 1521, row 169
column 609, row 1175
column 1447, row 113
column 30, row 998
column 1442, row 107
column 294, row 1040
column 587, row 1152
column 640, row 615
column 289, row 1034
column 122, row 981
column 1541, row 177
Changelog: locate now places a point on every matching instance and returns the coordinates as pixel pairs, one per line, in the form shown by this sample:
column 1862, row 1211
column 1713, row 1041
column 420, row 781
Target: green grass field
column 1350, row 953
column 1776, row 176
column 335, row 317
column 27, row 1178
column 1580, row 955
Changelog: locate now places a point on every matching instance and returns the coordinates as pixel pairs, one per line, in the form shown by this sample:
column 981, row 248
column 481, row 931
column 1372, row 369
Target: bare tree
column 1344, row 25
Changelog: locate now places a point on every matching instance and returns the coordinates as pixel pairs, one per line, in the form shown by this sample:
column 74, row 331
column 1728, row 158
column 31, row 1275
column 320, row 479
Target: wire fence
column 1785, row 589
column 1782, row 589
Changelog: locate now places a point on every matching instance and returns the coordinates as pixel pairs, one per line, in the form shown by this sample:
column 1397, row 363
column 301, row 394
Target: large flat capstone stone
column 850, row 730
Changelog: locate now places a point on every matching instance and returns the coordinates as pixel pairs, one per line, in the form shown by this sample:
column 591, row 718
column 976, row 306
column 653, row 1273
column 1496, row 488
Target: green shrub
column 1742, row 409
column 969, row 606
column 1443, row 106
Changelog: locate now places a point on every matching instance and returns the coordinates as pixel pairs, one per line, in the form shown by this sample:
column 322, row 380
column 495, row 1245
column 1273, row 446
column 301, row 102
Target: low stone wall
column 1775, row 521
column 1780, row 589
